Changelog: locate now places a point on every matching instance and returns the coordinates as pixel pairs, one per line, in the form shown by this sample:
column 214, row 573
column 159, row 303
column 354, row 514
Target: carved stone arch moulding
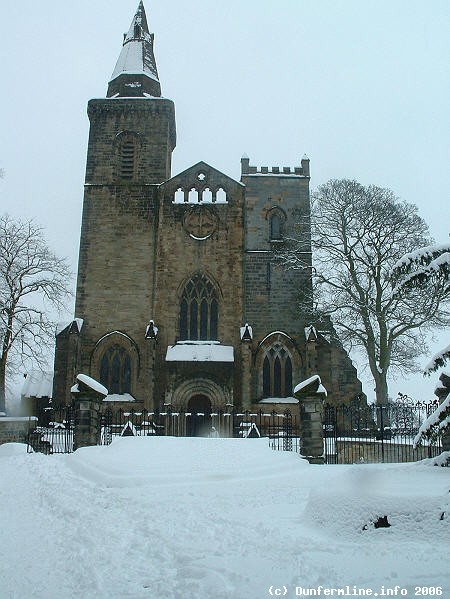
column 279, row 337
column 123, row 343
column 199, row 273
column 125, row 134
column 220, row 397
column 276, row 210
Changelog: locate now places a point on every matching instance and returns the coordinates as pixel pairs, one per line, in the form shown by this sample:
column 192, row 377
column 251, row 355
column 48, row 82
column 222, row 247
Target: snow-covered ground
column 163, row 518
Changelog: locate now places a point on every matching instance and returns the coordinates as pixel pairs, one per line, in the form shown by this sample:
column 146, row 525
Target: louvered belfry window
column 277, row 372
column 199, row 310
column 127, row 159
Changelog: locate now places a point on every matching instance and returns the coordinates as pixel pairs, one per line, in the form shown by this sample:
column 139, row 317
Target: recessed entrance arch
column 219, row 396
column 199, row 423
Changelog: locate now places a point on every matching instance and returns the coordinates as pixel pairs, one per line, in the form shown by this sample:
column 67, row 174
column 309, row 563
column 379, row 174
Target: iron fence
column 353, row 433
column 281, row 429
column 361, row 433
column 53, row 432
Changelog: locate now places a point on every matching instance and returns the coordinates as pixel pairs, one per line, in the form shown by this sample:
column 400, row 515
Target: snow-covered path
column 213, row 518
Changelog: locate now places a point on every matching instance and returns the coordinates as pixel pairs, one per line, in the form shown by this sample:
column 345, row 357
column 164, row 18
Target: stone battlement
column 299, row 171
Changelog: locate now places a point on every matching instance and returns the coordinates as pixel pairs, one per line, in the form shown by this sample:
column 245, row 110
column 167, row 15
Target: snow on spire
column 135, row 73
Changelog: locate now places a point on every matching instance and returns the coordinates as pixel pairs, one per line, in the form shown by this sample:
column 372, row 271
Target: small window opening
column 193, row 196
column 179, row 196
column 207, row 196
column 275, row 226
column 221, row 196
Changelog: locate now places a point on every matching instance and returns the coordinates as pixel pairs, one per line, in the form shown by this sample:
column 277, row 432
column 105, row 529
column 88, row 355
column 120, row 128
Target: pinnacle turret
column 135, row 73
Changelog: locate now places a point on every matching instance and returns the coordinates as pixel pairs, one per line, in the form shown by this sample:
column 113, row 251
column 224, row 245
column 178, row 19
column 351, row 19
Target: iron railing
column 281, row 429
column 53, row 432
column 361, row 433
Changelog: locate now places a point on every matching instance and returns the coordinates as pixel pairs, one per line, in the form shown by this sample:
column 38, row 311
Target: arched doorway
column 199, row 423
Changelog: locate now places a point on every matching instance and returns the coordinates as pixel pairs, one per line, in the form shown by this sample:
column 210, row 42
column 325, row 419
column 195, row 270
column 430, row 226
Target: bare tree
column 32, row 279
column 358, row 234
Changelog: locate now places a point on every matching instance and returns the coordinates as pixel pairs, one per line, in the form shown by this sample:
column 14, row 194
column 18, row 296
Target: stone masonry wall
column 180, row 255
column 271, row 292
column 15, row 429
column 153, row 122
column 115, row 287
column 116, row 270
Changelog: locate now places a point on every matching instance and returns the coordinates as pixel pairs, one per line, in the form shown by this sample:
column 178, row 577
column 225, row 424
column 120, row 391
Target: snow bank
column 11, row 449
column 171, row 460
column 356, row 498
column 166, row 518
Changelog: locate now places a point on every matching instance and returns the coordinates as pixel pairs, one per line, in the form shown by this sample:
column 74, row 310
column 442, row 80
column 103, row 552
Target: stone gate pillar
column 246, row 334
column 311, row 394
column 88, row 397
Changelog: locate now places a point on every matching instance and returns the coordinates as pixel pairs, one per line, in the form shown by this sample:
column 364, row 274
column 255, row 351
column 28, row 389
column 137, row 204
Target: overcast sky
column 361, row 87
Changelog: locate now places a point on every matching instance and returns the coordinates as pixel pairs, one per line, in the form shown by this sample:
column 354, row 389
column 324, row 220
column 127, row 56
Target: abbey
column 180, row 301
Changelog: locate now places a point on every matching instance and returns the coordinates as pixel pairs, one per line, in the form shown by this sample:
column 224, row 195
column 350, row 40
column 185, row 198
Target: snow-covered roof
column 62, row 326
column 38, row 384
column 134, row 60
column 199, row 351
column 136, row 57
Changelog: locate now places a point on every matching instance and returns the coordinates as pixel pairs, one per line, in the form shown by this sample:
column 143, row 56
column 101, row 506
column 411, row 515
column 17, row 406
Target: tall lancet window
column 115, row 370
column 277, row 372
column 199, row 310
column 277, row 220
column 275, row 226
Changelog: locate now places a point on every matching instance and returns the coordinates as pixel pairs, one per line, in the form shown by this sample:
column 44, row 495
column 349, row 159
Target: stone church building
column 180, row 301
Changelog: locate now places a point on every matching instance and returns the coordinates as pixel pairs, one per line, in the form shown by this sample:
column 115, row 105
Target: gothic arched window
column 199, row 310
column 115, row 370
column 277, row 372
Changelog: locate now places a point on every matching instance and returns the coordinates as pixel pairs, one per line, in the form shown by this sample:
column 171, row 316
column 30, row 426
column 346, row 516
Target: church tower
column 181, row 302
column 131, row 140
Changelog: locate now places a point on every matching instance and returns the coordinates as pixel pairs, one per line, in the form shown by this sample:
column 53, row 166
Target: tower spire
column 135, row 73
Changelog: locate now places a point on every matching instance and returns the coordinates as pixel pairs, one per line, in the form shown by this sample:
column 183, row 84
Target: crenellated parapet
column 283, row 171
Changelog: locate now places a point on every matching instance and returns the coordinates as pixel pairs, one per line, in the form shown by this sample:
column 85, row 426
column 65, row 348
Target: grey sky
column 360, row 86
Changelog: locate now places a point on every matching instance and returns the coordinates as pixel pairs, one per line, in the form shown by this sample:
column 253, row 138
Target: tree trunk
column 2, row 386
column 381, row 388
